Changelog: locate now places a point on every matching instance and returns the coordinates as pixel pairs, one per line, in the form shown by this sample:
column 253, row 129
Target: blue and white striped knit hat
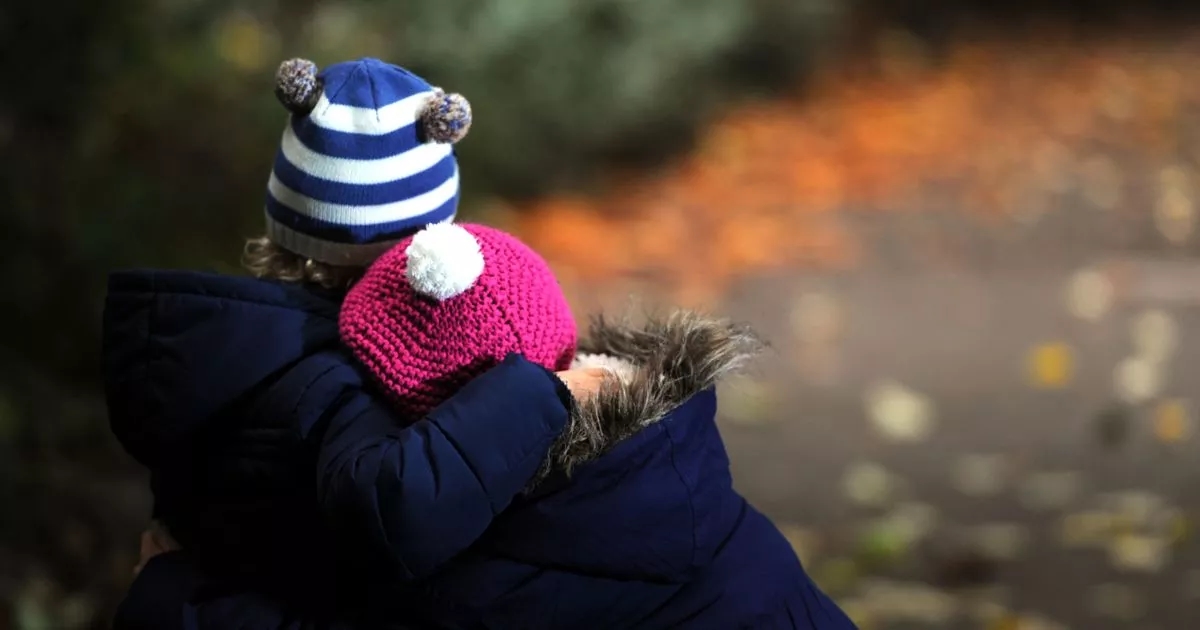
column 366, row 159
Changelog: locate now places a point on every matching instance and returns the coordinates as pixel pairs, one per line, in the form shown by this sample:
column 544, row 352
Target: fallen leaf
column 1051, row 365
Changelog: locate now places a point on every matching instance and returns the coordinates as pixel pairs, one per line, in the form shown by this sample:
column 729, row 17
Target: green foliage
column 154, row 149
column 560, row 87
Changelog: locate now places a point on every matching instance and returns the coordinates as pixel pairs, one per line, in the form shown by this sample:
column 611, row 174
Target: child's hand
column 584, row 383
column 155, row 540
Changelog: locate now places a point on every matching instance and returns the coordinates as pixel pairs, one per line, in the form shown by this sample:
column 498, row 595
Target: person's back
column 639, row 525
column 204, row 373
column 259, row 431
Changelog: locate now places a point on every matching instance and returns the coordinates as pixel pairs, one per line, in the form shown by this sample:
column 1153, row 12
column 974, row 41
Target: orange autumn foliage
column 776, row 184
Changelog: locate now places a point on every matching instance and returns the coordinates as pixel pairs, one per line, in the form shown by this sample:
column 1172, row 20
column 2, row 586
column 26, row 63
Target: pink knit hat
column 448, row 303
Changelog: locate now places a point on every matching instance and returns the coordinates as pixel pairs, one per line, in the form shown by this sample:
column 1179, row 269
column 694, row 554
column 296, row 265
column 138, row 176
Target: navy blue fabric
column 371, row 233
column 354, row 146
column 370, row 83
column 366, row 120
column 274, row 464
column 418, row 183
column 171, row 593
column 652, row 535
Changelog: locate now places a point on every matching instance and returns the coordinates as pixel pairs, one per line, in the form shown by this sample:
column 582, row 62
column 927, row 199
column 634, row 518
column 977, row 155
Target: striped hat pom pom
column 446, row 118
column 297, row 85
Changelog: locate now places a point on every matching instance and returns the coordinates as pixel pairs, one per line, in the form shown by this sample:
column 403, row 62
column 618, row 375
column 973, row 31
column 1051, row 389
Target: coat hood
column 638, row 487
column 181, row 350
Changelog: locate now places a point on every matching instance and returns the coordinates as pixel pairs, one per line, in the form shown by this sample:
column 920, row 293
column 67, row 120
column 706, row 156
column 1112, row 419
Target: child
column 256, row 426
column 636, row 523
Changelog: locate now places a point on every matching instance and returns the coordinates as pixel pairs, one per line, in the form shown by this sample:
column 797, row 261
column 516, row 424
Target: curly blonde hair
column 263, row 258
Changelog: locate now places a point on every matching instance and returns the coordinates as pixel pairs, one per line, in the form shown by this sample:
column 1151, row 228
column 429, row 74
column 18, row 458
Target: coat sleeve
column 412, row 497
column 172, row 594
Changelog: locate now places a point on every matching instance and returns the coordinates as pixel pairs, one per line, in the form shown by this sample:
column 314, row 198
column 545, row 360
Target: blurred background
column 967, row 230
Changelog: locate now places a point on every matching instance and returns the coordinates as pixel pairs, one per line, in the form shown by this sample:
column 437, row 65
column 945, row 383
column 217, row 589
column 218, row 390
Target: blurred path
column 964, row 414
column 980, row 278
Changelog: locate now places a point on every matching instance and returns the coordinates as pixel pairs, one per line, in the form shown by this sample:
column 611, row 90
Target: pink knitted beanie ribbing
column 447, row 304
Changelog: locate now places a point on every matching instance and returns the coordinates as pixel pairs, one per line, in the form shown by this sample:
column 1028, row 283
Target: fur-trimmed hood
column 647, row 530
column 657, row 367
column 638, row 486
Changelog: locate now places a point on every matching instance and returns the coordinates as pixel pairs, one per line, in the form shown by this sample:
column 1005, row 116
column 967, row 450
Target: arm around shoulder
column 417, row 495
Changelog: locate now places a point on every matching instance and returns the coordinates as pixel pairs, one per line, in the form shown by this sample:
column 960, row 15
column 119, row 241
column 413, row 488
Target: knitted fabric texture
column 447, row 118
column 422, row 349
column 355, row 171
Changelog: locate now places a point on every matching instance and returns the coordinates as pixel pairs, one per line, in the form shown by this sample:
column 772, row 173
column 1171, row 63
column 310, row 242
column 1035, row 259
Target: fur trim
column 657, row 367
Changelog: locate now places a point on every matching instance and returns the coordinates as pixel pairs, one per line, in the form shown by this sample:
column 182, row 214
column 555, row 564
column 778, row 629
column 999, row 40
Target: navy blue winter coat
column 649, row 535
column 274, row 464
